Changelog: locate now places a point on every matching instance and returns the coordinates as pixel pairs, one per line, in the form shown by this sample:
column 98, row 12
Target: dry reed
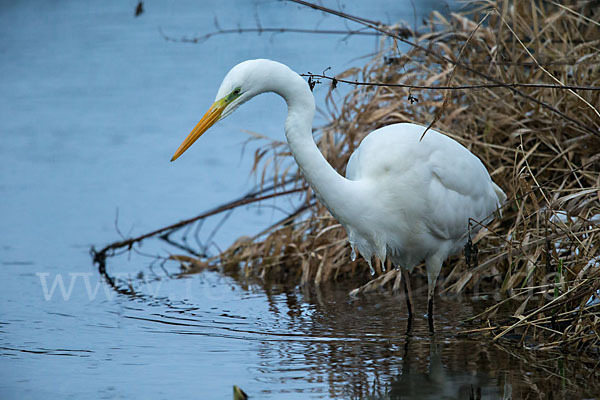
column 539, row 143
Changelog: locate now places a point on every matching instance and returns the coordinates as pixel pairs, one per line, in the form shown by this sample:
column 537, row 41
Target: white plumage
column 403, row 198
column 422, row 194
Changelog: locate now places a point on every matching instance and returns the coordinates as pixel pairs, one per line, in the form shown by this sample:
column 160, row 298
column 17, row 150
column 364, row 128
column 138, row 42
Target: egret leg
column 408, row 296
column 434, row 265
column 407, row 292
column 430, row 312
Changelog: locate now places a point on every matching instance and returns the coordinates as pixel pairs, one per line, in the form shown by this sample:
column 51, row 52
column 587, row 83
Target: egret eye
column 233, row 95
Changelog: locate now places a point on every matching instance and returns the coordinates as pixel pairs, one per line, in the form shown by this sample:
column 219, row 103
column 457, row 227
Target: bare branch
column 459, row 87
column 260, row 30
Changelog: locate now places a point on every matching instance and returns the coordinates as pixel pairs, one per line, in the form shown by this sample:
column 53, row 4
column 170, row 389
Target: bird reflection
column 438, row 382
column 365, row 355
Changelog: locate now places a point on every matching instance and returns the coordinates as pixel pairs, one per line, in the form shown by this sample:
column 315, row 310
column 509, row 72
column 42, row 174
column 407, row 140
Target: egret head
column 240, row 84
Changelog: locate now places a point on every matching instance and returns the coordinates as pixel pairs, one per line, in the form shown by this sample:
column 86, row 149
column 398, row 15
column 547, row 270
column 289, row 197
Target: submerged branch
column 99, row 257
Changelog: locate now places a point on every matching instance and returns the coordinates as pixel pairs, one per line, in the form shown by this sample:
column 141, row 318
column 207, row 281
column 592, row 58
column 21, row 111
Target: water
column 94, row 103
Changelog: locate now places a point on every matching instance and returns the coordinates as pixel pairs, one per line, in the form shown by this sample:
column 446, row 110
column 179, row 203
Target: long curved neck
column 329, row 186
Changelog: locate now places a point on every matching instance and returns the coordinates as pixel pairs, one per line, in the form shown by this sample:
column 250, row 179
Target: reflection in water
column 324, row 343
column 439, row 382
column 361, row 351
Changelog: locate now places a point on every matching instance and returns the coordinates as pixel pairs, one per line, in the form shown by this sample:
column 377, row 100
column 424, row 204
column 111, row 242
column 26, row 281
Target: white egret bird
column 402, row 198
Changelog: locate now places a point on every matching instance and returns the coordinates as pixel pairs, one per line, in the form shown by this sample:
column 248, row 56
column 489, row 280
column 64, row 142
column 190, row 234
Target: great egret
column 402, row 198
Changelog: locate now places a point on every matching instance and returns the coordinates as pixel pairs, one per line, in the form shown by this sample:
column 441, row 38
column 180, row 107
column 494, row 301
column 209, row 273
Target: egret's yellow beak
column 212, row 115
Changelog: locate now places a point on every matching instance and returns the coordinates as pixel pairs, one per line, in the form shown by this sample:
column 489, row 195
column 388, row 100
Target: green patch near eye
column 233, row 95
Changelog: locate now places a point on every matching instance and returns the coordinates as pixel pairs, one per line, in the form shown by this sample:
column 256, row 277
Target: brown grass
column 539, row 144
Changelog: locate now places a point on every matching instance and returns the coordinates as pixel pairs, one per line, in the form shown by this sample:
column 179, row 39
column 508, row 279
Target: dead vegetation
column 508, row 64
column 540, row 145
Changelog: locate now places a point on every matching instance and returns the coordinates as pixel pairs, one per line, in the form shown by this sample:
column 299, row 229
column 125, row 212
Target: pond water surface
column 94, row 102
